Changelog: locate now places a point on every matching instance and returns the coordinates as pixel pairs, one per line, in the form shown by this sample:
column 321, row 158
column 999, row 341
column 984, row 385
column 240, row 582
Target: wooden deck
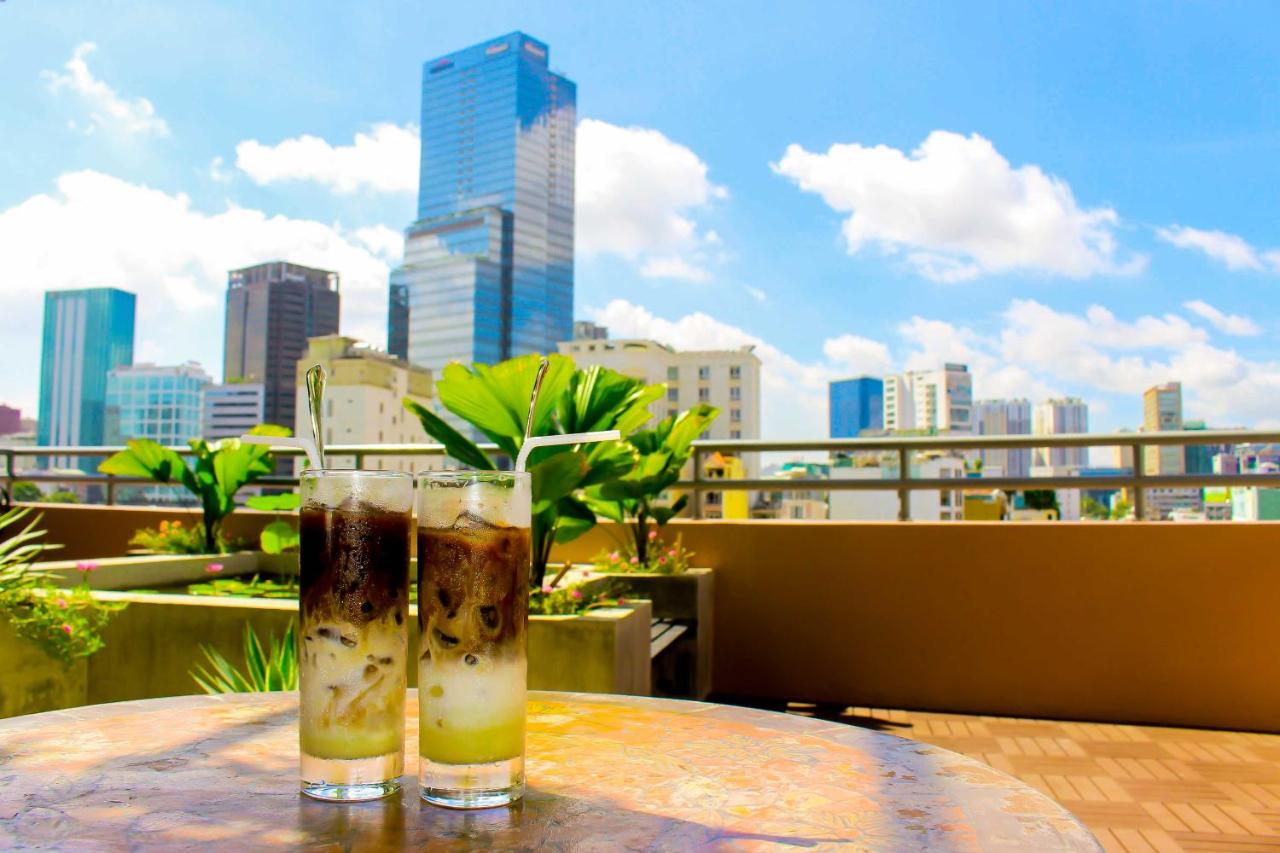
column 1139, row 788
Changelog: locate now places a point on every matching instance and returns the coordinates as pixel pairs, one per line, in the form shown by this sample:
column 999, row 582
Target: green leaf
column 576, row 518
column 557, row 477
column 496, row 398
column 146, row 458
column 286, row 502
column 612, row 510
column 455, row 443
column 608, row 460
column 278, row 537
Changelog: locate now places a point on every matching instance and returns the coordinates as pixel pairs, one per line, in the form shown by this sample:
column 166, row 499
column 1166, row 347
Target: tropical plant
column 661, row 453
column 65, row 624
column 61, row 496
column 495, row 399
column 220, row 469
column 1121, row 510
column 1094, row 509
column 266, row 668
column 26, row 491
column 1041, row 499
column 279, row 536
column 255, row 587
column 171, row 537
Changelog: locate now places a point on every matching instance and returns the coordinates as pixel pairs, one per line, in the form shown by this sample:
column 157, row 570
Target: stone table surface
column 605, row 773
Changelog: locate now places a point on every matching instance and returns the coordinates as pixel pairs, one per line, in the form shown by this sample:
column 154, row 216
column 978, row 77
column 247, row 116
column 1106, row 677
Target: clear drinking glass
column 355, row 529
column 473, row 612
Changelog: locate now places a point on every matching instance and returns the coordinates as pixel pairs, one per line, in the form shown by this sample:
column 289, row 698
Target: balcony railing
column 902, row 482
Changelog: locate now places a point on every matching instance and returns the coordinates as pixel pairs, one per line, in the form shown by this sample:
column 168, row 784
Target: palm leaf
column 455, row 443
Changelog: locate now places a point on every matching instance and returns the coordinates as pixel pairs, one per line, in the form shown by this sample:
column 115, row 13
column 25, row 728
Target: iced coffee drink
column 473, row 599
column 355, row 529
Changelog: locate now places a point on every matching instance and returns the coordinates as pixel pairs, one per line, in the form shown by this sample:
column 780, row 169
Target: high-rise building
column 364, row 401
column 231, row 410
column 398, row 317
column 161, row 403
column 10, row 420
column 585, row 330
column 1068, row 415
column 855, row 405
column 1198, row 458
column 272, row 309
column 930, row 400
column 1004, row 417
column 87, row 333
column 1162, row 412
column 488, row 264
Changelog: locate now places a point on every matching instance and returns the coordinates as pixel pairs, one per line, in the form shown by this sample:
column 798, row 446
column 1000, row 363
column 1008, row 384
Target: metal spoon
column 315, row 397
column 533, row 398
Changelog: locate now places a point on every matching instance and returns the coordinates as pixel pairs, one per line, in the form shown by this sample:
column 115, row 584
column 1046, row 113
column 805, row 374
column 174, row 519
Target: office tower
column 229, row 411
column 364, row 401
column 155, row 402
column 1067, row 415
column 585, row 330
column 1161, row 412
column 398, row 317
column 10, row 420
column 86, row 334
column 1004, row 417
column 488, row 264
column 930, row 400
column 726, row 379
column 1198, row 458
column 855, row 405
column 272, row 309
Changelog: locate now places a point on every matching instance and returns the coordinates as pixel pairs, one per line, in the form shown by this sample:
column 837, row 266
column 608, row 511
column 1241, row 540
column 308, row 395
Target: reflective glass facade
column 86, row 334
column 855, row 405
column 159, row 403
column 488, row 268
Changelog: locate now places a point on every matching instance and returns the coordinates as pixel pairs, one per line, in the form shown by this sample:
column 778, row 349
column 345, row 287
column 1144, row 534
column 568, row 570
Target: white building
column 850, row 505
column 1004, row 417
column 934, row 400
column 227, row 411
column 1069, row 415
column 726, row 379
column 1162, row 412
column 364, row 391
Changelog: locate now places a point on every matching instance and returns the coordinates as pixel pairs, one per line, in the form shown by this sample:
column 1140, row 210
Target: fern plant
column 267, row 668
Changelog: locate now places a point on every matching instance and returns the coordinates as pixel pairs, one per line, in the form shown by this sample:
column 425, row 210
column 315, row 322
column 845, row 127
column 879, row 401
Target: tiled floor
column 1139, row 788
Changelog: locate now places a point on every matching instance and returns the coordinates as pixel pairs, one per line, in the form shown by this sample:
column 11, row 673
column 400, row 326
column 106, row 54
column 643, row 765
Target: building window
column 735, row 415
column 673, row 373
column 704, row 395
column 735, row 372
column 704, row 373
column 735, row 433
column 672, row 395
column 735, row 393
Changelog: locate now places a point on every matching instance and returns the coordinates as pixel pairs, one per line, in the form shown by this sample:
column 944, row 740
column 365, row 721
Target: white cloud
column 1232, row 251
column 858, row 356
column 756, row 293
column 638, row 194
column 1228, row 324
column 382, row 160
column 387, row 243
column 958, row 209
column 172, row 255
column 218, row 171
column 107, row 109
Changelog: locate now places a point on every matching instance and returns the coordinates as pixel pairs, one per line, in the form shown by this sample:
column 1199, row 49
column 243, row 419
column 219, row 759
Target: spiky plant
column 267, row 668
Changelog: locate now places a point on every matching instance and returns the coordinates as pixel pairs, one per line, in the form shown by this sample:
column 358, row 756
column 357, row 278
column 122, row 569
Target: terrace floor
column 1139, row 788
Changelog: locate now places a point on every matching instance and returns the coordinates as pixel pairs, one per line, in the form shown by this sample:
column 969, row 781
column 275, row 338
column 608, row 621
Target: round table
column 605, row 773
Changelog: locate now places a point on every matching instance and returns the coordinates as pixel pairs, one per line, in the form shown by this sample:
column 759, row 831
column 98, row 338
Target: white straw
column 284, row 441
column 532, row 444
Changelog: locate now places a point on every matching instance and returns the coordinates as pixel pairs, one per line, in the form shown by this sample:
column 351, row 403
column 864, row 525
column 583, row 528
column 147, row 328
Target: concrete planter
column 685, row 670
column 152, row 645
column 149, row 571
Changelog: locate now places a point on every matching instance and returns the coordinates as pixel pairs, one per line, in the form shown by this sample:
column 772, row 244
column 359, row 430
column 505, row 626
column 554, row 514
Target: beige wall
column 1160, row 623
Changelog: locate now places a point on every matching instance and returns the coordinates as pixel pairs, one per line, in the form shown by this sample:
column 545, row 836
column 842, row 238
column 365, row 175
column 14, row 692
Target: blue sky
column 1074, row 199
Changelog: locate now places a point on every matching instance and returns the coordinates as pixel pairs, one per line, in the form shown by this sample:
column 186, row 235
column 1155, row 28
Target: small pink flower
column 671, row 553
column 576, row 594
column 662, row 561
column 86, row 566
column 635, row 560
column 67, row 630
column 61, row 602
column 546, row 589
column 586, row 573
column 614, row 556
column 653, row 534
column 213, row 568
column 622, row 601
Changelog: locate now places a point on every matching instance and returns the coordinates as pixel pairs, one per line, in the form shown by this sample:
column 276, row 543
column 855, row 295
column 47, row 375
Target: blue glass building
column 488, row 267
column 855, row 405
column 86, row 334
column 159, row 403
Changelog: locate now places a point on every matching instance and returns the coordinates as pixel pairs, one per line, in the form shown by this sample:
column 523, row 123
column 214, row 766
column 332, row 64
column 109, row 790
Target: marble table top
column 605, row 773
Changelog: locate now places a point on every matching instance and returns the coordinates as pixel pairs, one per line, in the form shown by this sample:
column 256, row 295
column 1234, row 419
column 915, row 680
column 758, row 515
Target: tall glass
column 473, row 612
column 355, row 531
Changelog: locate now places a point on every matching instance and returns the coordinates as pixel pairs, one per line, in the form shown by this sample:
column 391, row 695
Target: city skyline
column 1152, row 262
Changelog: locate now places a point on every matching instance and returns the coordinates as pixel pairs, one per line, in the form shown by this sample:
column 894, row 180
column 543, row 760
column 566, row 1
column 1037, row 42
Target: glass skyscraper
column 87, row 333
column 855, row 405
column 488, row 266
column 159, row 403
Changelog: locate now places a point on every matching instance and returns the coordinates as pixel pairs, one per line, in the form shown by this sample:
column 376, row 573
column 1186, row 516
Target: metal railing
column 904, row 447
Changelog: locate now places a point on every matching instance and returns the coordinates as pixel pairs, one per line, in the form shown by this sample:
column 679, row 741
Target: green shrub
column 267, row 668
